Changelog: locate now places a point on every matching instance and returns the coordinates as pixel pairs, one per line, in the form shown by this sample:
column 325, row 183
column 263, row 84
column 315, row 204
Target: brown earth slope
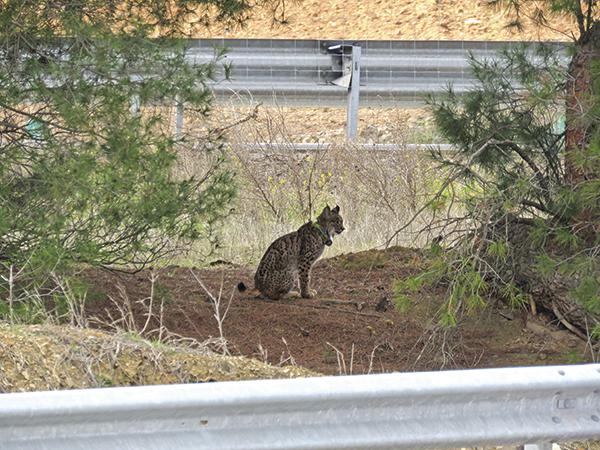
column 351, row 327
column 50, row 357
column 390, row 19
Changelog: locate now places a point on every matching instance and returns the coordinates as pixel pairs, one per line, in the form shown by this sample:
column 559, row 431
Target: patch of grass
column 575, row 357
column 367, row 260
column 105, row 381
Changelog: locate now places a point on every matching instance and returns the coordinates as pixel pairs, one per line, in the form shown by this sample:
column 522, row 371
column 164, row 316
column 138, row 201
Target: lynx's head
column 331, row 221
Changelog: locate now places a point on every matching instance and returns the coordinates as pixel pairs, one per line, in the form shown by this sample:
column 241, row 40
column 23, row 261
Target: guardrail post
column 135, row 105
column 353, row 95
column 135, row 102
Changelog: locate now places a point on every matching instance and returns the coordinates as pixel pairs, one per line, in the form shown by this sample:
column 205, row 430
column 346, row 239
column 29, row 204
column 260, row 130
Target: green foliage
column 513, row 295
column 517, row 210
column 448, row 319
column 507, row 140
column 83, row 179
column 566, row 238
column 540, row 193
column 467, row 288
column 31, row 312
column 539, row 232
column 435, row 249
column 498, row 249
column 402, row 301
column 402, row 289
column 588, row 293
column 545, row 265
column 595, row 334
column 584, row 12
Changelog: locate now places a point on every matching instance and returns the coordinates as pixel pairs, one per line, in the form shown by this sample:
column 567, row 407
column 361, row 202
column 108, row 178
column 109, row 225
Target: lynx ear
column 326, row 210
column 336, row 209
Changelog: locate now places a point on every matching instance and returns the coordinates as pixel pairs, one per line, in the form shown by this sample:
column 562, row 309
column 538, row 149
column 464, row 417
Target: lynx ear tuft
column 336, row 209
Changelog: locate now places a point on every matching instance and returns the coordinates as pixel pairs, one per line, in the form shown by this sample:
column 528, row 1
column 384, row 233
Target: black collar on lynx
column 326, row 237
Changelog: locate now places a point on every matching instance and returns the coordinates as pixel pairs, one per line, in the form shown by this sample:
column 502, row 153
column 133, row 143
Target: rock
column 383, row 305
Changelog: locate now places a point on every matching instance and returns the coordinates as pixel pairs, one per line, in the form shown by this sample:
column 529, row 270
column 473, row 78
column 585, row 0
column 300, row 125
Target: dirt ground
column 47, row 357
column 389, row 19
column 317, row 125
column 351, row 327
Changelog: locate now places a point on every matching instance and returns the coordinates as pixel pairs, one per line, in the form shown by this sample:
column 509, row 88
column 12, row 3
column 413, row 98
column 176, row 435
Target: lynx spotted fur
column 291, row 257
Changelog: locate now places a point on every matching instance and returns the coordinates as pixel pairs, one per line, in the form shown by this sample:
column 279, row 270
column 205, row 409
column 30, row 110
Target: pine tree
column 580, row 96
column 522, row 192
column 84, row 176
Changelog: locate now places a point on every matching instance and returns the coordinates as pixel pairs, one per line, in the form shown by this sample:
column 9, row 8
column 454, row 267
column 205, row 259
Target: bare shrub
column 341, row 360
column 279, row 187
column 145, row 318
column 282, row 187
column 56, row 302
column 74, row 302
column 380, row 188
column 220, row 311
column 286, row 358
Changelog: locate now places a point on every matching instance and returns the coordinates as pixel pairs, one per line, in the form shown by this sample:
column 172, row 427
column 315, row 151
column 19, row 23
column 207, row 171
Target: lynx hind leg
column 279, row 285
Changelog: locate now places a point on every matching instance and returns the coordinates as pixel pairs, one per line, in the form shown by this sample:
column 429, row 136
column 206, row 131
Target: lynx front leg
column 304, row 276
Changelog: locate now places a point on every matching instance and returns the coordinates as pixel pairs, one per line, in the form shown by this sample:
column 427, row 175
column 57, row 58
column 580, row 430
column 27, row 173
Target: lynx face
column 336, row 221
column 331, row 220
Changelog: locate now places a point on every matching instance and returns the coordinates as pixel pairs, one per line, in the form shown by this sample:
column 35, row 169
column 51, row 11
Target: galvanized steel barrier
column 401, row 410
column 302, row 71
column 331, row 73
column 321, row 146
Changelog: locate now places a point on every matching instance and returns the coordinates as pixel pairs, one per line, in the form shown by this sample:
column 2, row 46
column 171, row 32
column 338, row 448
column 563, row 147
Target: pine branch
column 539, row 176
column 440, row 191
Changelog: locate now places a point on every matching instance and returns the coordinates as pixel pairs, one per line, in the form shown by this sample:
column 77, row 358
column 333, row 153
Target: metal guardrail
column 401, row 410
column 300, row 72
column 319, row 146
column 305, row 72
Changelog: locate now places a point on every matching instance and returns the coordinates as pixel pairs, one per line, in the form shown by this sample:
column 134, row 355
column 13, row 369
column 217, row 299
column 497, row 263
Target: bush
column 514, row 224
column 88, row 169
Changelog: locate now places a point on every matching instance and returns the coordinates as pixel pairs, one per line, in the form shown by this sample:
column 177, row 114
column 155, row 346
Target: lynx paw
column 310, row 294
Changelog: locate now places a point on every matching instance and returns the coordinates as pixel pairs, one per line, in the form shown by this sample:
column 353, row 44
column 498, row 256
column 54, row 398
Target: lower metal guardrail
column 322, row 146
column 400, row 410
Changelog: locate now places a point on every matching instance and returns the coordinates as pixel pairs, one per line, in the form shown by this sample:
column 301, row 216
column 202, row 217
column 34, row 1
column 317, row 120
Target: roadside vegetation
column 85, row 176
column 92, row 176
column 518, row 209
column 95, row 188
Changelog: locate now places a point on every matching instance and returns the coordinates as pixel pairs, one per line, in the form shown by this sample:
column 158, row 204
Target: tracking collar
column 322, row 231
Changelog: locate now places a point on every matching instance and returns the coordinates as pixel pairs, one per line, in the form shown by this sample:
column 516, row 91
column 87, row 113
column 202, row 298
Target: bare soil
column 391, row 19
column 351, row 327
column 46, row 357
column 317, row 125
